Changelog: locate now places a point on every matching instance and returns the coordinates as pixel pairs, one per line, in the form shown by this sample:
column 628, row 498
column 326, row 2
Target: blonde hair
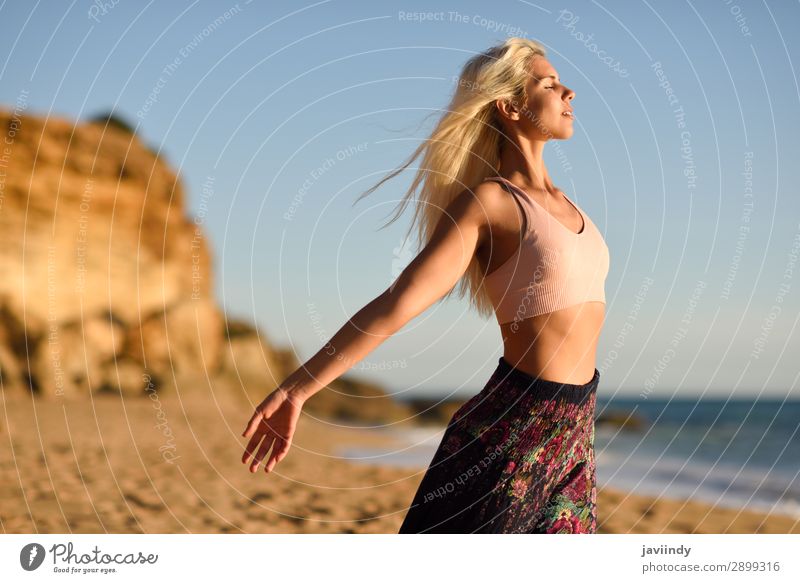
column 464, row 147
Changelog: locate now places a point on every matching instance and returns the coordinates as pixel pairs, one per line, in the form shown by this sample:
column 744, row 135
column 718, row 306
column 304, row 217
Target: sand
column 108, row 464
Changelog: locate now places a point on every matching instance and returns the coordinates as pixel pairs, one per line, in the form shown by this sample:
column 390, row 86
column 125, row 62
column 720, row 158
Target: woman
column 519, row 455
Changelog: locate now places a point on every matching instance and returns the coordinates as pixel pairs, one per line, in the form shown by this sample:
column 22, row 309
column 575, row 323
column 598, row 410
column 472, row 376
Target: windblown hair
column 464, row 147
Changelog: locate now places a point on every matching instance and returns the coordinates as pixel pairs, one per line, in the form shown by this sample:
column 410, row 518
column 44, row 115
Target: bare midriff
column 560, row 346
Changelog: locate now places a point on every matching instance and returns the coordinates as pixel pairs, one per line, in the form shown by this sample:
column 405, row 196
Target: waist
column 515, row 379
column 559, row 347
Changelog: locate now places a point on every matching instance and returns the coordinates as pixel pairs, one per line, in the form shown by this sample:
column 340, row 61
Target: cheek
column 555, row 104
column 545, row 105
column 537, row 107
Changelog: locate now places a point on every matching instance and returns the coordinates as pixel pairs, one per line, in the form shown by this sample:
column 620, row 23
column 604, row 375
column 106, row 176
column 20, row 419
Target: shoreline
column 94, row 466
column 412, row 449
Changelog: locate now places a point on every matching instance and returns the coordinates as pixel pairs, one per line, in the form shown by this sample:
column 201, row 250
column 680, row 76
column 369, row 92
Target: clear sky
column 684, row 154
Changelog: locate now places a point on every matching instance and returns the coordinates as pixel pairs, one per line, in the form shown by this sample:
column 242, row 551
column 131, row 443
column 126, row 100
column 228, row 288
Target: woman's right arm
column 433, row 272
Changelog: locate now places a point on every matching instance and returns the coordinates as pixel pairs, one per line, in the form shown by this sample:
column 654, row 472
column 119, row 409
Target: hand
column 274, row 421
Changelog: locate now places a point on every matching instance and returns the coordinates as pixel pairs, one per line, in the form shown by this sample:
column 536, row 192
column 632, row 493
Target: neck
column 522, row 162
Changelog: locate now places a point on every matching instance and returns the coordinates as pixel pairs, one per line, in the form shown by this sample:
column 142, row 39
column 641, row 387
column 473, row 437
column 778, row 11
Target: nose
column 568, row 94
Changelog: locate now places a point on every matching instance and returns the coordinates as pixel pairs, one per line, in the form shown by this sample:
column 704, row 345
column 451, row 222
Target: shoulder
column 488, row 200
column 489, row 207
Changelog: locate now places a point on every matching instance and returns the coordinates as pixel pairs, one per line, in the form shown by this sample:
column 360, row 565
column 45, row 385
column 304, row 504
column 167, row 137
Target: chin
column 562, row 135
column 559, row 132
column 565, row 134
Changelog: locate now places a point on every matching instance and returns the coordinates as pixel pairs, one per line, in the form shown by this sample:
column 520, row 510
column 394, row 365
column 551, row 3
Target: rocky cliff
column 104, row 277
column 106, row 284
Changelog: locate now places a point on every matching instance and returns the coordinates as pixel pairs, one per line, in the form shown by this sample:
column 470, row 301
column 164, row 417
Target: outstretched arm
column 431, row 274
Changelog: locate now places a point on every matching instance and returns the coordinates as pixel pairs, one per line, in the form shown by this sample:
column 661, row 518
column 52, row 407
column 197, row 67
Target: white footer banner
column 392, row 557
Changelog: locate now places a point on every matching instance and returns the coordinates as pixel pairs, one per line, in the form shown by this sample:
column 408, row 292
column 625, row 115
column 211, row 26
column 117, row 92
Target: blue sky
column 684, row 155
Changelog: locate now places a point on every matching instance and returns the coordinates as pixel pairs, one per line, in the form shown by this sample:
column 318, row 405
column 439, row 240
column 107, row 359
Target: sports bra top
column 553, row 267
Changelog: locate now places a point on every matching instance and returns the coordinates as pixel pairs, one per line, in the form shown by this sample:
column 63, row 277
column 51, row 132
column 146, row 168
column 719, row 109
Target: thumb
column 267, row 407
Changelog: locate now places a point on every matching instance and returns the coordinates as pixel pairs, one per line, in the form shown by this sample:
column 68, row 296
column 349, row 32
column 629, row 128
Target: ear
column 509, row 108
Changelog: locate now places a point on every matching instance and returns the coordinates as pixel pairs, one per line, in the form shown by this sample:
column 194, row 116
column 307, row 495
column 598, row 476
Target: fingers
column 262, row 451
column 252, row 425
column 251, row 446
column 260, row 427
column 279, row 452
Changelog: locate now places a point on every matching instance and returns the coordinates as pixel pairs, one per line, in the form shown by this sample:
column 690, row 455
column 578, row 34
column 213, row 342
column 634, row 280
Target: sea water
column 739, row 453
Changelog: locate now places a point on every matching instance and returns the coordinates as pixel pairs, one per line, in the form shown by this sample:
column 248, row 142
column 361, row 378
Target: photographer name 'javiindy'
column 65, row 554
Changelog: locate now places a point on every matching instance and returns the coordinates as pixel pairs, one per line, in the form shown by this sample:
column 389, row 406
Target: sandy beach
column 172, row 465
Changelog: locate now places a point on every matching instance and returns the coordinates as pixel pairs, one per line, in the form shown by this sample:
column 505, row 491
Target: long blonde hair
column 464, row 148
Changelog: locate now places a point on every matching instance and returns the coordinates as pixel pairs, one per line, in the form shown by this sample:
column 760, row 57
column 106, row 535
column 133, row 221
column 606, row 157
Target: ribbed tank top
column 553, row 267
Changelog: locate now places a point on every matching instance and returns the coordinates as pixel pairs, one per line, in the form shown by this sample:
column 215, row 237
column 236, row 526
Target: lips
column 568, row 113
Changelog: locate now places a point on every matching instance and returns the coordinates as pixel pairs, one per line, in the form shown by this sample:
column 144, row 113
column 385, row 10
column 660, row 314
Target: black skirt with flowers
column 518, row 457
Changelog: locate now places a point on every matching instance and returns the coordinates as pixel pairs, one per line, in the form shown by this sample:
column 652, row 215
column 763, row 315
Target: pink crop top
column 553, row 268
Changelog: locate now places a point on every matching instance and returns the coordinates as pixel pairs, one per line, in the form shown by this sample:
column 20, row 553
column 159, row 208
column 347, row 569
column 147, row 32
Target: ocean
column 743, row 453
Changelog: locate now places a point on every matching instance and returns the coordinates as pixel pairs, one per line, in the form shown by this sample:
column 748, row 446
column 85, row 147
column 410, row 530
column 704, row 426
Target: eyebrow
column 545, row 77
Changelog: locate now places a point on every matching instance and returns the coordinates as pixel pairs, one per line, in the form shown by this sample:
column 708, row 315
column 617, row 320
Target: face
column 548, row 99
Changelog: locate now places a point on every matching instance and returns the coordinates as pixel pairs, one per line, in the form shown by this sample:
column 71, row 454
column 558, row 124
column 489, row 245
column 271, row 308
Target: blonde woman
column 518, row 457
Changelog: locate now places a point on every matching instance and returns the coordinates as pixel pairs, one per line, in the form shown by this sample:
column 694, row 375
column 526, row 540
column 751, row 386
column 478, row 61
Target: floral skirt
column 518, row 457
